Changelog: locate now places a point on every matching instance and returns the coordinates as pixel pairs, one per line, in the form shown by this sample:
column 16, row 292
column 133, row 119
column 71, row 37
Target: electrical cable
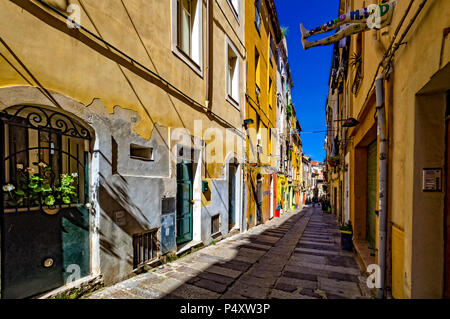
column 133, row 61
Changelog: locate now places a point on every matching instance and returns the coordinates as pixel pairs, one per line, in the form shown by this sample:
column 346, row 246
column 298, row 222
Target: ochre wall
column 423, row 54
column 63, row 64
column 263, row 107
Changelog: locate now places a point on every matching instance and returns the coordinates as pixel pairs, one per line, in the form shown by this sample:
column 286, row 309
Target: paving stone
column 198, row 265
column 168, row 285
column 265, row 282
column 334, row 296
column 209, row 259
column 317, row 267
column 285, row 287
column 279, row 294
column 180, row 276
column 297, row 256
column 216, row 277
column 210, row 285
column 306, row 270
column 149, row 280
column 318, row 247
column 162, row 270
column 261, row 242
column 346, row 261
column 147, row 293
column 343, row 277
column 249, row 291
column 236, row 265
column 224, row 253
column 256, row 247
column 342, row 288
column 170, row 296
column 188, row 270
column 187, row 291
column 232, row 295
column 310, row 292
column 299, row 275
column 249, row 258
column 299, row 283
column 273, row 266
column 308, row 258
column 323, row 252
column 225, row 271
column 120, row 294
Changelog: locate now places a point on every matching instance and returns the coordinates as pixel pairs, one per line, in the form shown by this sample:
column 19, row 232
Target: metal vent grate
column 145, row 248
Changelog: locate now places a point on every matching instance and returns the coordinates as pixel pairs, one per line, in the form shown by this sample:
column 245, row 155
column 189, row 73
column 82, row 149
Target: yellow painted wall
column 262, row 107
column 63, row 64
column 424, row 53
column 398, row 262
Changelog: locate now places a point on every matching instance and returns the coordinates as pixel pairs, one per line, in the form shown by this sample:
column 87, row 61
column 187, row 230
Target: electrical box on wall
column 205, row 186
column 168, row 222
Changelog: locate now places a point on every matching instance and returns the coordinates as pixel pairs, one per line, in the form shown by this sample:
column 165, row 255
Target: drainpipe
column 382, row 184
column 209, row 8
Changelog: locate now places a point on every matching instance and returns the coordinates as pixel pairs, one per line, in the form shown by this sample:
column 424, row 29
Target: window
column 114, row 151
column 270, row 92
column 258, row 15
column 187, row 32
column 257, row 70
column 185, row 26
column 357, row 63
column 271, row 49
column 145, row 248
column 215, row 224
column 141, row 152
column 232, row 72
column 234, row 4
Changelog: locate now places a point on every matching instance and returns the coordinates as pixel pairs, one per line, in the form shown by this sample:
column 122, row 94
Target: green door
column 371, row 193
column 184, row 202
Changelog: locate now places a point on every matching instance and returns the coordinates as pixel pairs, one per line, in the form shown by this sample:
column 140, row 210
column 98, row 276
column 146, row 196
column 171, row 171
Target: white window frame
column 195, row 61
column 235, row 6
column 234, row 100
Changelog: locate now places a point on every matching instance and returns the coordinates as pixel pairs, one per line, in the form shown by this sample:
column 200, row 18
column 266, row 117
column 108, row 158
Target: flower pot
column 277, row 212
column 51, row 211
column 346, row 240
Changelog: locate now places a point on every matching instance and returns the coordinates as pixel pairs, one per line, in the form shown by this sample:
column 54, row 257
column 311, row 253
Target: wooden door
column 184, row 202
column 232, row 196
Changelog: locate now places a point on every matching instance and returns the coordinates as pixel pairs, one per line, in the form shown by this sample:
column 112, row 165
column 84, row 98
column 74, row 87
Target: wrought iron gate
column 44, row 217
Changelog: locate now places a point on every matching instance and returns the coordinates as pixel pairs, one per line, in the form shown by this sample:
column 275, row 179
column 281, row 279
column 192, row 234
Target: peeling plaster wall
column 138, row 196
column 219, row 205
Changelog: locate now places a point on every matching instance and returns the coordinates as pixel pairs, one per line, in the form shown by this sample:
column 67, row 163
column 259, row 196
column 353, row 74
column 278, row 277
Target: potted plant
column 39, row 190
column 333, row 161
column 346, row 231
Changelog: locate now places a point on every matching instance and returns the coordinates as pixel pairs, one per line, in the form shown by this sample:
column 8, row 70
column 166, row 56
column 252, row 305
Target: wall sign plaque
column 432, row 180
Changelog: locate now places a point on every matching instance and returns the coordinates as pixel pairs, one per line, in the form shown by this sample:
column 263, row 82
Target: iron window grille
column 145, row 248
column 40, row 146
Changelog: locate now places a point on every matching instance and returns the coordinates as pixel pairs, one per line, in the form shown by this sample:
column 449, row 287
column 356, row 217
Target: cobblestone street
column 296, row 256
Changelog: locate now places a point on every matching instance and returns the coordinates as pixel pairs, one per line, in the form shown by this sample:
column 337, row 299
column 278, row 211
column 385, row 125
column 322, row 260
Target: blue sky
column 310, row 69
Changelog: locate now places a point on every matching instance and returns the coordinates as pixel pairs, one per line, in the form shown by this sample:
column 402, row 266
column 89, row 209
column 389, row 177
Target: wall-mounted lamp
column 350, row 122
column 248, row 121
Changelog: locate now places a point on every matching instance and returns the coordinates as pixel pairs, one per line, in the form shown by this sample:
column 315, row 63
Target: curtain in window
column 184, row 20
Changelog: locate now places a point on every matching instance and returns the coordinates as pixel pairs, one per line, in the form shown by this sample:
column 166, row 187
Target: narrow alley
column 225, row 149
column 297, row 256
